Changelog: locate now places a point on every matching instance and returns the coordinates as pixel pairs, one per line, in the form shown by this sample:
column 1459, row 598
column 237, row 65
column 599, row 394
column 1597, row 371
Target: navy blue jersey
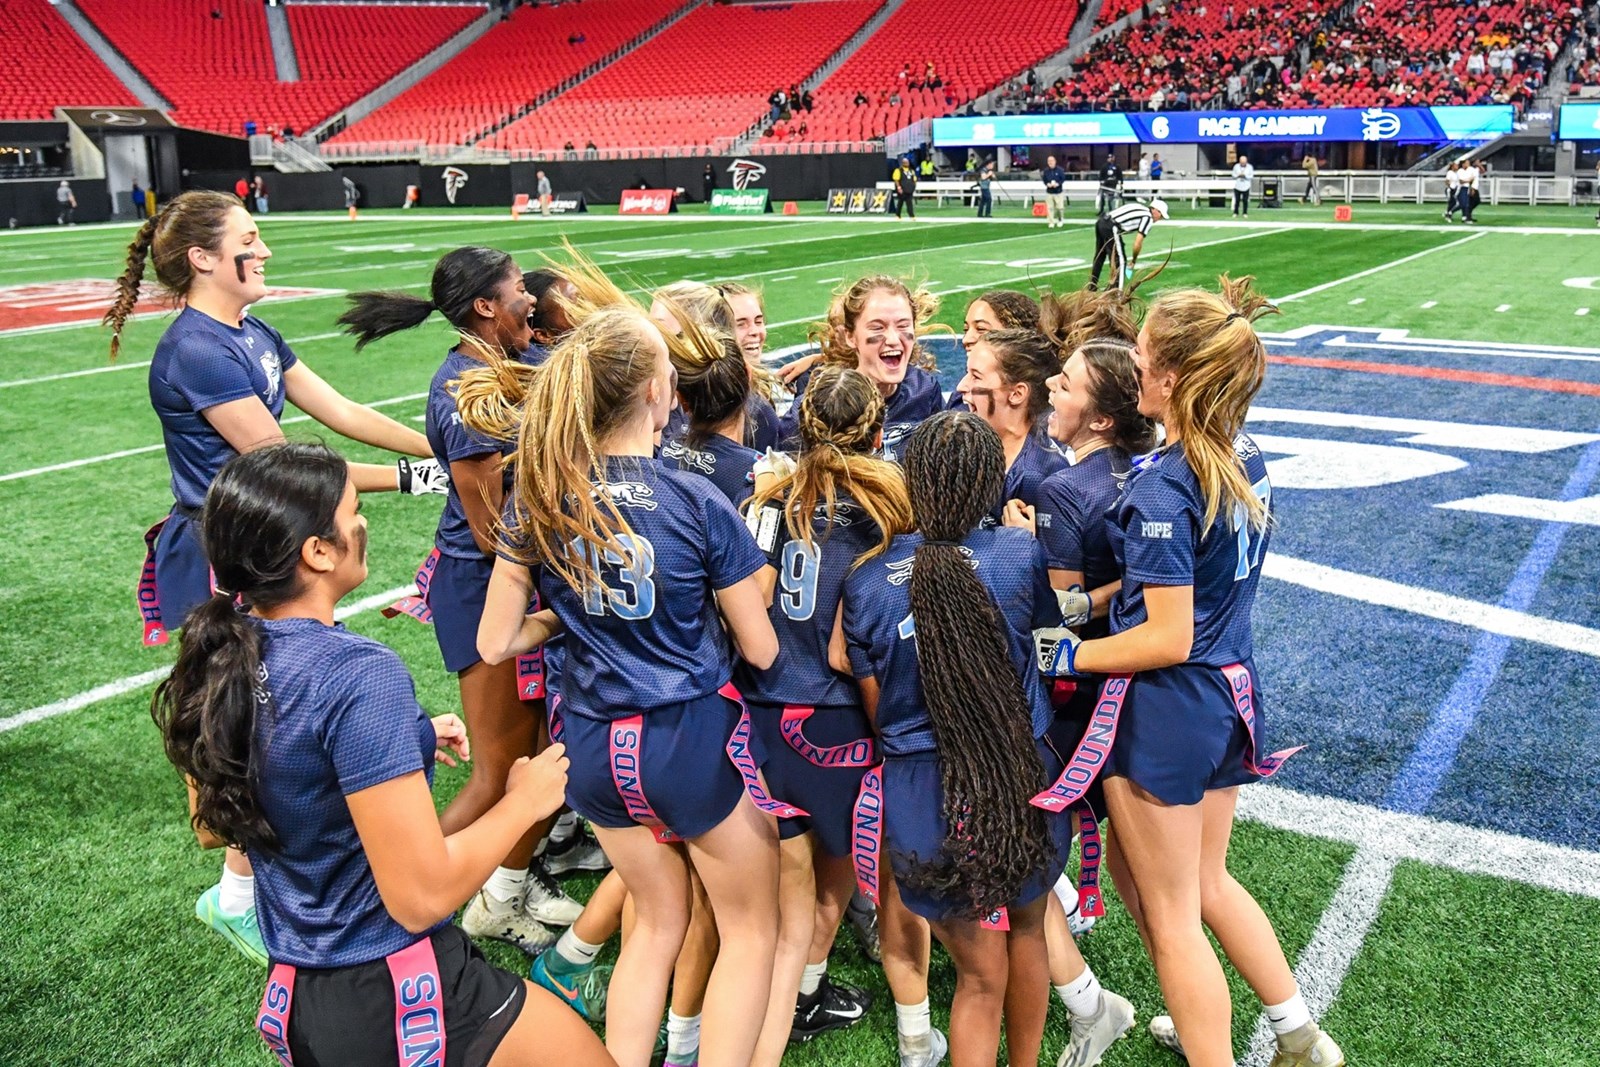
column 677, row 426
column 917, row 397
column 653, row 636
column 534, row 355
column 1027, row 472
column 452, row 441
column 804, row 605
column 726, row 464
column 342, row 716
column 198, row 364
column 1157, row 537
column 881, row 634
column 1072, row 513
column 761, row 423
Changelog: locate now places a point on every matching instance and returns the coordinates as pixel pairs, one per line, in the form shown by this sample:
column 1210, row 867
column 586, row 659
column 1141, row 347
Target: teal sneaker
column 240, row 931
column 583, row 991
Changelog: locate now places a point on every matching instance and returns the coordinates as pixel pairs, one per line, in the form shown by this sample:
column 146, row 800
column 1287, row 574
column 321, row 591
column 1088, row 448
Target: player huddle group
column 880, row 645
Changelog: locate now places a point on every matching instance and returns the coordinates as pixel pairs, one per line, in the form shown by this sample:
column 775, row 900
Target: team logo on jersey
column 272, row 367
column 262, row 693
column 631, row 495
column 1379, row 125
column 839, row 517
column 692, row 458
column 746, row 172
column 900, row 570
column 454, row 179
column 1245, row 448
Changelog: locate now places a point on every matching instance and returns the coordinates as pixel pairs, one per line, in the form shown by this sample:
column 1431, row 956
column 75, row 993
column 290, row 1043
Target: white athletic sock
column 1289, row 1016
column 575, row 950
column 1066, row 891
column 504, row 887
column 913, row 1023
column 238, row 893
column 811, row 978
column 1081, row 995
column 683, row 1034
column 565, row 826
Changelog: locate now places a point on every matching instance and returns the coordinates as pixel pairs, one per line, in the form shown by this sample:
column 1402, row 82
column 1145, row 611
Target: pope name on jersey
column 1158, row 539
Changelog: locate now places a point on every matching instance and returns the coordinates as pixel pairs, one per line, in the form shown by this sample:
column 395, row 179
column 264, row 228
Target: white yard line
column 139, row 681
column 90, row 460
column 140, row 363
column 1380, row 267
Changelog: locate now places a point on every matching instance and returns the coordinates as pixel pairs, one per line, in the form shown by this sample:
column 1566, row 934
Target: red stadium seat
column 44, row 65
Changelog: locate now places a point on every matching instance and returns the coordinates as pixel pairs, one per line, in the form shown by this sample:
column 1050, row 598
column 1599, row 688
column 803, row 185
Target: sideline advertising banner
column 1398, row 125
column 739, row 202
column 858, row 201
column 646, row 202
column 1579, row 122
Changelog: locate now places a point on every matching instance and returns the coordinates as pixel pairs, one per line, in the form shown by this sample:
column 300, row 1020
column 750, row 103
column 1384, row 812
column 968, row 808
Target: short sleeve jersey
column 200, row 363
column 1027, row 472
column 761, row 423
column 452, row 441
column 804, row 605
column 1158, row 539
column 918, row 396
column 724, row 463
column 881, row 634
column 341, row 716
column 652, row 635
column 1071, row 517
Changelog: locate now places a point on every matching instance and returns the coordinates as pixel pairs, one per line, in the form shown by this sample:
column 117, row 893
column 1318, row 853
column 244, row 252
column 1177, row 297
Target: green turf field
column 1420, row 957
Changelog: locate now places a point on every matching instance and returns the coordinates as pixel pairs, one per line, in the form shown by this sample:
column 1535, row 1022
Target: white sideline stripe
column 139, row 681
column 1398, row 835
column 1426, row 304
column 1380, row 267
column 139, row 363
column 1334, row 944
column 141, row 450
column 1491, row 618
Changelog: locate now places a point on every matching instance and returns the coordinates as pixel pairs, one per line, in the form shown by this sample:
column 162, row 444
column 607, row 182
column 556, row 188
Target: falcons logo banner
column 746, row 172
column 454, row 179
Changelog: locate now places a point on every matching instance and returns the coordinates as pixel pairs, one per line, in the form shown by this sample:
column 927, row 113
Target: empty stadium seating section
column 972, row 46
column 705, row 78
column 517, row 60
column 45, row 65
column 218, row 72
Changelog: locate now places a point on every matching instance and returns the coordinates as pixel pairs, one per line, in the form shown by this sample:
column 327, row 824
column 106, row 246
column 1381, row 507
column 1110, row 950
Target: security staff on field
column 1055, row 198
column 1110, row 186
column 905, row 187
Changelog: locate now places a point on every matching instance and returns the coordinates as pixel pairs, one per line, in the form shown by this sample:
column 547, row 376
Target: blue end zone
column 1401, row 710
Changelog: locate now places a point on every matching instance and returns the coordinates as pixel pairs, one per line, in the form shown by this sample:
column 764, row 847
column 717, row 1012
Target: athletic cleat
column 832, row 1007
column 1307, row 1047
column 543, row 899
column 1093, row 1035
column 1165, row 1034
column 864, row 921
column 583, row 990
column 938, row 1045
column 580, row 852
column 240, row 931
column 514, row 925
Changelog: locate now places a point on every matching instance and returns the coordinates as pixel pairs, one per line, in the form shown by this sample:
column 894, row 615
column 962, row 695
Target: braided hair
column 996, row 841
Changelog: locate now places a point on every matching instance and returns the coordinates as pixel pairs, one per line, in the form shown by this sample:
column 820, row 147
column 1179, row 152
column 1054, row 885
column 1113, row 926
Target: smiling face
column 239, row 279
column 981, row 318
column 883, row 338
column 505, row 314
column 1072, row 416
column 749, row 325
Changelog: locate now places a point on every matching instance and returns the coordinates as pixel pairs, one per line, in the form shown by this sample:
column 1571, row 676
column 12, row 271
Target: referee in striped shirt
column 1108, row 230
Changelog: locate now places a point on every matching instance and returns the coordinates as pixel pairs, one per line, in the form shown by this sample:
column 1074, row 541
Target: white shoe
column 1165, row 1034
column 1307, row 1047
column 543, row 899
column 934, row 1054
column 510, row 924
column 1091, row 1036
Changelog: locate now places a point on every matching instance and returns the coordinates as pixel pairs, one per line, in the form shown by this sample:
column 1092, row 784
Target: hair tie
column 1231, row 316
column 946, row 544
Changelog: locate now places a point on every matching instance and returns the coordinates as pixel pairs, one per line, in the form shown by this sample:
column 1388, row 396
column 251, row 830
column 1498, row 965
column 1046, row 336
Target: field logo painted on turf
column 37, row 305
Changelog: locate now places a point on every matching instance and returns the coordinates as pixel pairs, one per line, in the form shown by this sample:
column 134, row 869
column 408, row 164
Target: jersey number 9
column 798, row 576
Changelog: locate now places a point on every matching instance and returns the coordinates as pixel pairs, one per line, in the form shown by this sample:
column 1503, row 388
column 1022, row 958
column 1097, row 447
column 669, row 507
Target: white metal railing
column 412, row 151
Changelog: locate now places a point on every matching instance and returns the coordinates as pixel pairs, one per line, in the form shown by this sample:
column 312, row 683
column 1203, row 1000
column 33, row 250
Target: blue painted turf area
column 1400, row 710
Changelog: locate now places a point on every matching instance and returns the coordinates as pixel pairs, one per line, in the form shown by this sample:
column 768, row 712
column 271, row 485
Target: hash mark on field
column 1426, row 304
column 1359, row 300
column 1503, row 307
column 828, row 281
column 1581, row 311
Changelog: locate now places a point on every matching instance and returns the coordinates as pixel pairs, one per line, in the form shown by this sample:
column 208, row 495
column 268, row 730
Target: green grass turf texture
column 100, row 958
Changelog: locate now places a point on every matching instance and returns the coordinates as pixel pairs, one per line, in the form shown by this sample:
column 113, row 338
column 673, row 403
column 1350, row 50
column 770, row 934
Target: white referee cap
column 1160, row 205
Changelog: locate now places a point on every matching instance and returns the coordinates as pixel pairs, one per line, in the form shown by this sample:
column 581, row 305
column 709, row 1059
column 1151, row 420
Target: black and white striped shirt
column 1131, row 218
